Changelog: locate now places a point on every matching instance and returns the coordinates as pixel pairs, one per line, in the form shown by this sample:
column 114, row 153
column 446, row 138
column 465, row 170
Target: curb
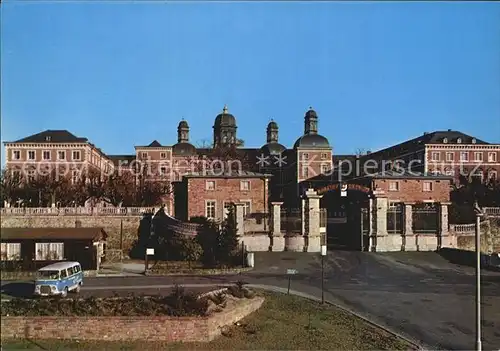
column 200, row 273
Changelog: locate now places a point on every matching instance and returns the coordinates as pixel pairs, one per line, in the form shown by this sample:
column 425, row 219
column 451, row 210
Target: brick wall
column 412, row 190
column 226, row 190
column 151, row 328
column 314, row 161
column 110, row 224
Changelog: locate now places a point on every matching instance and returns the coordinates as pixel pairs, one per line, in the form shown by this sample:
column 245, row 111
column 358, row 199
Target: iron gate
column 395, row 218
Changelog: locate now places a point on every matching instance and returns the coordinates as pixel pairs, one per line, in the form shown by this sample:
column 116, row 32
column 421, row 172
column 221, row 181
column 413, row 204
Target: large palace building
column 206, row 179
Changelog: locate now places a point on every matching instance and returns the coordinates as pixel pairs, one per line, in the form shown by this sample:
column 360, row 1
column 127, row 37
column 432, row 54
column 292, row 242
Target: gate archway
column 347, row 215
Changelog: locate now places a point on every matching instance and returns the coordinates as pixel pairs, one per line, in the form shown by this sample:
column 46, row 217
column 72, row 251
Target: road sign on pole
column 290, row 272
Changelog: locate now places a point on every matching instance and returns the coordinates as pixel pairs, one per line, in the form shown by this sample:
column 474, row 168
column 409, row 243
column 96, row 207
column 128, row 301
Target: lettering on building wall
column 355, row 187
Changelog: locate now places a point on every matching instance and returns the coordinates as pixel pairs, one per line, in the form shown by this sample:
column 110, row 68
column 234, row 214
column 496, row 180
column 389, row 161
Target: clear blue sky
column 124, row 73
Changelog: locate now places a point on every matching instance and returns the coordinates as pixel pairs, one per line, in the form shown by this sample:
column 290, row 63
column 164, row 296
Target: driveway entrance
column 348, row 219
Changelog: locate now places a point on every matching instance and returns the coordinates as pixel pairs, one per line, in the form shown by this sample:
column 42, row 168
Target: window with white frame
column 210, row 209
column 478, row 156
column 49, row 251
column 31, row 175
column 464, row 156
column 16, row 154
column 61, row 155
column 245, row 185
column 163, row 171
column 427, row 186
column 450, row 156
column 325, row 168
column 76, row 155
column 435, row 156
column 31, row 155
column 492, row 157
column 177, row 177
column 46, row 155
column 16, row 174
column 305, row 156
column 144, row 155
column 210, row 185
column 247, row 207
column 393, row 186
column 163, row 155
column 75, row 176
column 10, row 251
column 324, row 156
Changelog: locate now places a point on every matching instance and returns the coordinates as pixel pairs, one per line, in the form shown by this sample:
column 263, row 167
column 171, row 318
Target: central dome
column 184, row 149
column 225, row 119
column 312, row 141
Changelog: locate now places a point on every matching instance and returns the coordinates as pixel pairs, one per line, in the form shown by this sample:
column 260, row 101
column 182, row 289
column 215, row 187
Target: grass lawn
column 282, row 323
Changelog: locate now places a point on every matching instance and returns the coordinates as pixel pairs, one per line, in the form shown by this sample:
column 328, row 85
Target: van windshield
column 48, row 275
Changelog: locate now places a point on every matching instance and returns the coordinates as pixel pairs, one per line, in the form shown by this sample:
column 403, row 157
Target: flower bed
column 177, row 317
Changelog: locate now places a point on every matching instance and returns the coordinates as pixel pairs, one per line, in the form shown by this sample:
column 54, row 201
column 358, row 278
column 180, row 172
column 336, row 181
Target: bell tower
column 311, row 122
column 225, row 129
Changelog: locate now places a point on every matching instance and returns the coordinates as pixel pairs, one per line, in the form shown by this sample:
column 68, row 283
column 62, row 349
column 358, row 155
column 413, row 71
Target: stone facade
column 150, row 328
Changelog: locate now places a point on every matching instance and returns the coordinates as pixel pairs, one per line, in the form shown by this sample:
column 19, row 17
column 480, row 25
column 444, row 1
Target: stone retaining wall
column 151, row 328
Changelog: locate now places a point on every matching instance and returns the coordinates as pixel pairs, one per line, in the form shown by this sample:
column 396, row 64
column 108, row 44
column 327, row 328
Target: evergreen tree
column 228, row 238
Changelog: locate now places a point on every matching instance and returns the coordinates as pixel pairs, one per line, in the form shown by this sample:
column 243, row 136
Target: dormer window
column 473, row 140
column 459, row 141
column 48, row 138
column 445, row 140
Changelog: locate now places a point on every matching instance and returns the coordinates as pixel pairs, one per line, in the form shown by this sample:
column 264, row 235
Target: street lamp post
column 323, row 254
column 479, row 215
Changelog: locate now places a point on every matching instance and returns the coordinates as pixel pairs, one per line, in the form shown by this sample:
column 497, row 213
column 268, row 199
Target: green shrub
column 179, row 303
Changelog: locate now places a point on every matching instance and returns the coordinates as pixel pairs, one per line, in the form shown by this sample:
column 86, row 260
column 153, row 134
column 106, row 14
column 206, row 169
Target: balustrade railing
column 492, row 211
column 463, row 228
column 76, row 211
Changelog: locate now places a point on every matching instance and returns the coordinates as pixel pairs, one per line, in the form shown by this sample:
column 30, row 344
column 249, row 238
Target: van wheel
column 78, row 288
column 64, row 293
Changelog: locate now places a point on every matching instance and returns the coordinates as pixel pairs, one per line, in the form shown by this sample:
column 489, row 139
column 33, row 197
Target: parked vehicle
column 58, row 279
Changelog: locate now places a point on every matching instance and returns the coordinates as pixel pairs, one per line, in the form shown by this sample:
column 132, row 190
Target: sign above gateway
column 343, row 187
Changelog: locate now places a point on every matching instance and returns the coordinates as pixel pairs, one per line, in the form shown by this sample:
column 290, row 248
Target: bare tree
column 360, row 151
column 119, row 189
column 10, row 186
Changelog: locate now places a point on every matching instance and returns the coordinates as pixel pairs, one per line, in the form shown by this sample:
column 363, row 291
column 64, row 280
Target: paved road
column 419, row 295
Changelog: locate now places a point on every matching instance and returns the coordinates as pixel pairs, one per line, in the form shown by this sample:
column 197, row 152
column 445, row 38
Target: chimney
column 449, row 130
column 425, row 133
column 368, row 152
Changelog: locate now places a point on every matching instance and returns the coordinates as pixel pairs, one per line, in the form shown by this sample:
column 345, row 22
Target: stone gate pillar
column 276, row 218
column 277, row 238
column 409, row 239
column 445, row 238
column 312, row 235
column 240, row 219
column 380, row 204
